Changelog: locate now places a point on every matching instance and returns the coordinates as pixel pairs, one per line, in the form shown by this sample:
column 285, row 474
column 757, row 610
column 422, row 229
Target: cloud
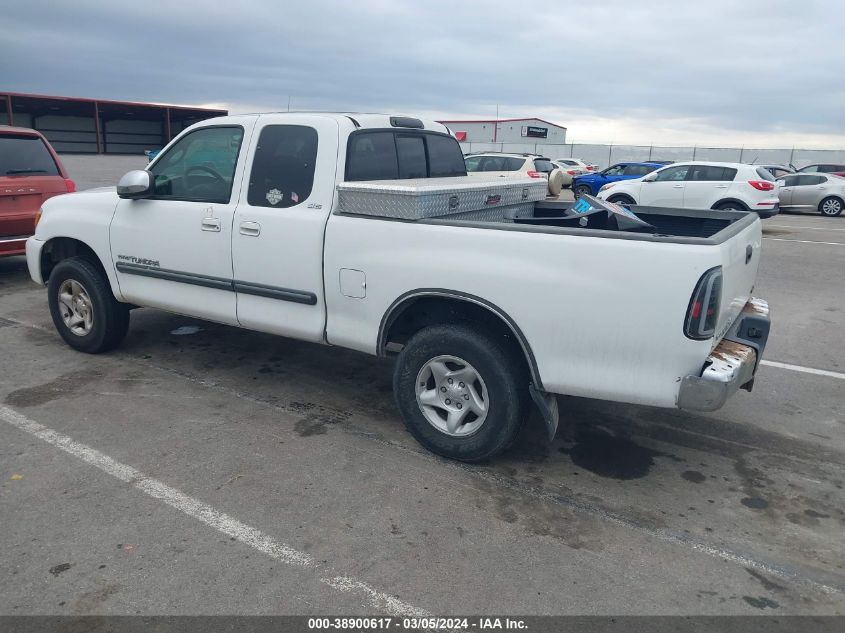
column 661, row 71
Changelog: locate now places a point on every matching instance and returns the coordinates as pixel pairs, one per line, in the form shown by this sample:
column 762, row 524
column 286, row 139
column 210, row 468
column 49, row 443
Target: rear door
column 667, row 190
column 279, row 225
column 706, row 185
column 28, row 176
column 786, row 189
column 809, row 191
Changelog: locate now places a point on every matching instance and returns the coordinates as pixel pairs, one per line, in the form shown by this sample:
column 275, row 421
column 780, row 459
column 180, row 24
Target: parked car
column 273, row 241
column 515, row 166
column 827, row 168
column 778, row 171
column 591, row 183
column 590, row 166
column 30, row 172
column 701, row 185
column 824, row 193
column 575, row 163
column 569, row 171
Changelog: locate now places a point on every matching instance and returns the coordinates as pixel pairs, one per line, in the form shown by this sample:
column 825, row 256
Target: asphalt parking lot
column 206, row 469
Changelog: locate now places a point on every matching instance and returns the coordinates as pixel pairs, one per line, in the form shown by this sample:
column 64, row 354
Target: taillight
column 703, row 311
column 71, row 186
column 571, row 172
column 535, row 174
column 762, row 185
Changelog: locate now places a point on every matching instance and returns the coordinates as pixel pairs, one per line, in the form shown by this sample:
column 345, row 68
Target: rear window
column 764, row 173
column 23, row 154
column 389, row 155
column 543, row 164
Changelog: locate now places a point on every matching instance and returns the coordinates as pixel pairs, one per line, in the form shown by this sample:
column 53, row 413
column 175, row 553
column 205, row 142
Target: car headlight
column 607, row 186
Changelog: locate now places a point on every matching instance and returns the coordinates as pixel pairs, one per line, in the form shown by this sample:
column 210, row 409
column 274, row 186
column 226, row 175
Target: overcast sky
column 721, row 72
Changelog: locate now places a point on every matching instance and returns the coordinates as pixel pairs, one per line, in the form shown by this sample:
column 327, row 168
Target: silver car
column 824, row 193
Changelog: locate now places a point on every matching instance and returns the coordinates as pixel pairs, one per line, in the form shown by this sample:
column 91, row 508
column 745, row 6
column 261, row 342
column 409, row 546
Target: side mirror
column 135, row 184
column 650, row 177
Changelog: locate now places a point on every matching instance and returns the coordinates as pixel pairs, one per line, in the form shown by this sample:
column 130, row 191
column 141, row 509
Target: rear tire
column 83, row 308
column 622, row 199
column 462, row 394
column 831, row 207
column 730, row 206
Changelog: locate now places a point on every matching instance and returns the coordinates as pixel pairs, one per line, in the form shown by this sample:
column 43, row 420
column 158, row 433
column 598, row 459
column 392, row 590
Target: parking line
column 799, row 228
column 804, row 370
column 780, row 239
column 203, row 512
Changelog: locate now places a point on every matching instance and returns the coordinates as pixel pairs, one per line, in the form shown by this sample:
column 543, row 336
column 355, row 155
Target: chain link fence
column 605, row 155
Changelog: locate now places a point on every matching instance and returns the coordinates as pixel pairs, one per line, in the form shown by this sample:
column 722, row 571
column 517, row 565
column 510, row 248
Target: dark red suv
column 30, row 172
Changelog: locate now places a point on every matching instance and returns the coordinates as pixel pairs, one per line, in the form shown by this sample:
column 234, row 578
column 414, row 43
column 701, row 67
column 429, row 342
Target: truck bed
column 689, row 226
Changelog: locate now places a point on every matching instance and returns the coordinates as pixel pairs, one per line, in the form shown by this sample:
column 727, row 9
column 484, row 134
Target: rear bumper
column 732, row 364
column 767, row 210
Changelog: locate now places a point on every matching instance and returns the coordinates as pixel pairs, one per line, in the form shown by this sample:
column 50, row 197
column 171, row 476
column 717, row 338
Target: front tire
column 623, row 200
column 84, row 311
column 830, row 207
column 461, row 393
column 581, row 190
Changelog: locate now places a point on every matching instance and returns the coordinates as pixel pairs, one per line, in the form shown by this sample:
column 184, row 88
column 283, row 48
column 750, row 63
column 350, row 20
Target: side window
column 200, row 166
column 444, row 156
column 804, row 181
column 514, row 164
column 672, row 174
column 493, row 163
column 411, row 153
column 712, row 173
column 283, row 168
column 372, row 156
column 809, row 169
column 791, row 181
column 616, row 170
column 473, row 163
column 635, row 170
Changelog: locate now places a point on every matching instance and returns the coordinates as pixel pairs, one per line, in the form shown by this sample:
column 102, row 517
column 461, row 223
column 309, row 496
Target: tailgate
column 20, row 199
column 740, row 258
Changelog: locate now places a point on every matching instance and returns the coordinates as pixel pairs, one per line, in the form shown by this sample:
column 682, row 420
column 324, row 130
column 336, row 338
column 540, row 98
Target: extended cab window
column 24, row 154
column 200, row 167
column 388, row 155
column 282, row 172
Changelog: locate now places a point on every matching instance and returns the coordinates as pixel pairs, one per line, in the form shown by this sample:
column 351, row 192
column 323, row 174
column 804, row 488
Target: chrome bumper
column 732, row 364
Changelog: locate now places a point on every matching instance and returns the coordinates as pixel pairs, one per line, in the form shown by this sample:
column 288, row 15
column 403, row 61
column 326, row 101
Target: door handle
column 251, row 229
column 678, row 187
column 211, row 224
column 721, row 186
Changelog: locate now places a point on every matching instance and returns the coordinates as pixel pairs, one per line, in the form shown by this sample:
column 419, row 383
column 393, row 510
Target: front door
column 667, row 190
column 277, row 243
column 173, row 250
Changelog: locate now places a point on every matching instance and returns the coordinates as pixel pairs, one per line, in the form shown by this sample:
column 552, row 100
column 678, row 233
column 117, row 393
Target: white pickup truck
column 241, row 220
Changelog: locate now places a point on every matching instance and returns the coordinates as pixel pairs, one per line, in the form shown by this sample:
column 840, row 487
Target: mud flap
column 547, row 404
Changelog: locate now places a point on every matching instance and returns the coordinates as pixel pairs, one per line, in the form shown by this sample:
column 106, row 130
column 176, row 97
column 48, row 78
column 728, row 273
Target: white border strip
column 804, row 370
column 780, row 239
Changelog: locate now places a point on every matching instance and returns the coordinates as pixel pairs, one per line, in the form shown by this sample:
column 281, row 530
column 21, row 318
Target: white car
column 515, row 166
column 365, row 232
column 700, row 185
column 586, row 166
column 569, row 171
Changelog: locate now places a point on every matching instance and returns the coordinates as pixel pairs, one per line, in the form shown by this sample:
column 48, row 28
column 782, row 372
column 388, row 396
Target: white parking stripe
column 803, row 370
column 799, row 228
column 203, row 512
column 780, row 239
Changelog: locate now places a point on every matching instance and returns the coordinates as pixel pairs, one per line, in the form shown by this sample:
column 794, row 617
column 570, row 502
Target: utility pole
column 288, row 103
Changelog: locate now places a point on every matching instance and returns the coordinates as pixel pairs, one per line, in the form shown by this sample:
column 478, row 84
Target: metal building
column 534, row 131
column 98, row 126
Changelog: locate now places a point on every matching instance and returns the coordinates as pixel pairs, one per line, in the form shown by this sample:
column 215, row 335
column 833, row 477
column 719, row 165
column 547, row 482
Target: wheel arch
column 736, row 201
column 57, row 249
column 419, row 308
column 834, row 197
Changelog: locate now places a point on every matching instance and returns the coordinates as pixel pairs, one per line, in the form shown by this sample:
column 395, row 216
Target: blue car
column 591, row 183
